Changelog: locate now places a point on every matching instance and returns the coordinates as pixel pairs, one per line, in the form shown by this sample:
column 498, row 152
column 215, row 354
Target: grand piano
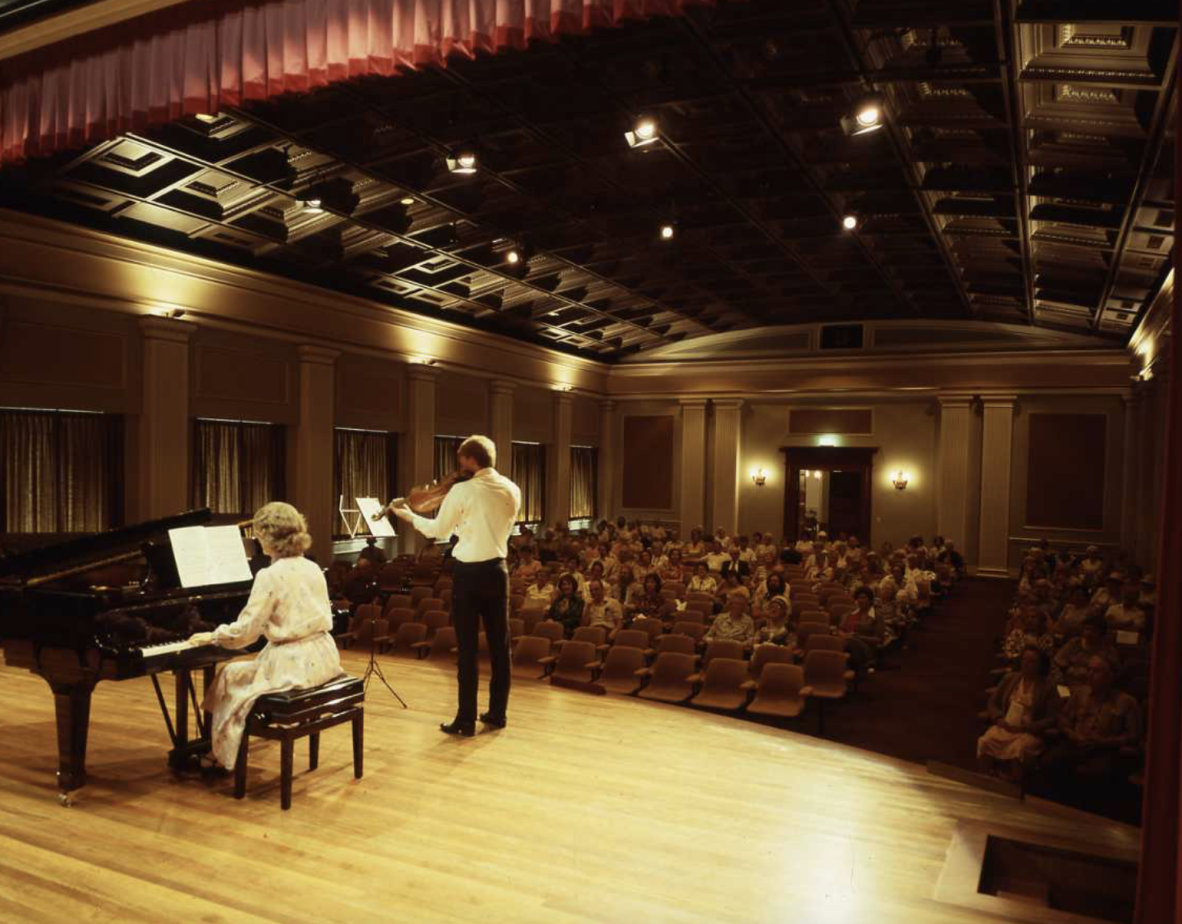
column 109, row 606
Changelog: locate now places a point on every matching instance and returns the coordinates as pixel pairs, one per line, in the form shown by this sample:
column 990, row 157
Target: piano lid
column 96, row 546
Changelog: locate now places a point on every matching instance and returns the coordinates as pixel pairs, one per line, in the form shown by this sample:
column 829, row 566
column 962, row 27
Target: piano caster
column 64, row 800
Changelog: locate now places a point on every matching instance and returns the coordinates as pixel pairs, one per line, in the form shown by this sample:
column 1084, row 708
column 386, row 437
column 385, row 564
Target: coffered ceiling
column 1024, row 175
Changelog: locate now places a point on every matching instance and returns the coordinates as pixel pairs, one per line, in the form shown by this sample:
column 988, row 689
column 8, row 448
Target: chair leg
column 314, row 750
column 285, row 770
column 240, row 767
column 358, row 741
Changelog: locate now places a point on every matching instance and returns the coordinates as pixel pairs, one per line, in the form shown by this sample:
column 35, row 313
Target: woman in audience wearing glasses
column 703, row 582
column 1023, row 707
column 776, row 631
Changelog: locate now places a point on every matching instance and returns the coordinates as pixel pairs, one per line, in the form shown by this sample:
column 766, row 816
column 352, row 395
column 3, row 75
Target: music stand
column 373, row 669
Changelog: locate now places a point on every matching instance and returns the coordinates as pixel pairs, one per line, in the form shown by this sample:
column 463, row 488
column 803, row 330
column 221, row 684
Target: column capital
column 418, row 372
column 501, row 387
column 955, row 400
column 174, row 330
column 727, row 404
column 693, row 403
column 317, row 355
column 564, row 398
column 607, row 405
column 999, row 401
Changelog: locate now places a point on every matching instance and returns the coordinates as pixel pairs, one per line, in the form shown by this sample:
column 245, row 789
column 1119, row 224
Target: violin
column 426, row 498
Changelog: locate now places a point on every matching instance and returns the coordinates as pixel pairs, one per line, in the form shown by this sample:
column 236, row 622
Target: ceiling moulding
column 880, row 337
column 73, row 22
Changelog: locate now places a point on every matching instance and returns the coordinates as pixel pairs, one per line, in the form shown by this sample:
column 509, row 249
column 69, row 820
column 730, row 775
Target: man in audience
column 372, row 553
column 1127, row 615
column 1092, row 565
column 601, row 611
column 528, row 567
column 361, row 585
column 540, row 592
column 1110, row 593
column 716, row 558
column 1096, row 723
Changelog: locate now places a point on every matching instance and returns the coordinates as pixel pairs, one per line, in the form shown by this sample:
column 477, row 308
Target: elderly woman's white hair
column 282, row 529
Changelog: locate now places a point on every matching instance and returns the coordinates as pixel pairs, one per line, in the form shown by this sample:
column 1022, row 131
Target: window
column 238, row 465
column 529, row 473
column 446, row 448
column 62, row 471
column 584, row 482
column 365, row 464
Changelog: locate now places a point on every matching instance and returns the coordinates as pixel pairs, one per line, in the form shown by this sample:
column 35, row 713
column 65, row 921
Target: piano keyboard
column 152, row 651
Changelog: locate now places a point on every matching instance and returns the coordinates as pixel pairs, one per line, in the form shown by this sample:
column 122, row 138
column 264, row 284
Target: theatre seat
column 528, row 654
column 722, row 687
column 550, row 629
column 677, row 642
column 407, row 636
column 669, row 678
column 440, row 647
column 825, row 680
column 576, row 662
column 769, row 654
column 778, row 692
column 618, row 674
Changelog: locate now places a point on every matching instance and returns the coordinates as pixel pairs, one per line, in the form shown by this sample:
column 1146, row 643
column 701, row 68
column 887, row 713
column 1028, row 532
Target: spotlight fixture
column 313, row 206
column 668, row 231
column 513, row 257
column 642, row 134
column 866, row 116
column 849, row 222
column 462, row 160
column 407, row 200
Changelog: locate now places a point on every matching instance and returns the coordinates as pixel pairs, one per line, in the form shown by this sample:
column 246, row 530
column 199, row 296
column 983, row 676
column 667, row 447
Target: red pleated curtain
column 200, row 56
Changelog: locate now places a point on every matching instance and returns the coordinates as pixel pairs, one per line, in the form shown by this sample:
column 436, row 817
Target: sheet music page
column 209, row 555
column 368, row 507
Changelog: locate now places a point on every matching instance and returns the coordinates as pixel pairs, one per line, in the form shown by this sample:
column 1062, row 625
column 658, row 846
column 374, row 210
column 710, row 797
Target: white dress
column 289, row 606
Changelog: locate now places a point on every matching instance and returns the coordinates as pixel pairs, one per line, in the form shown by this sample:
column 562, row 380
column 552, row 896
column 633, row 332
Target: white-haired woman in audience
column 1023, row 707
column 703, row 582
column 540, row 592
column 289, row 607
column 732, row 624
column 776, row 631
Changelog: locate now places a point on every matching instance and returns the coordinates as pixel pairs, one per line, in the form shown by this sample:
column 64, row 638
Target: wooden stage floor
column 586, row 808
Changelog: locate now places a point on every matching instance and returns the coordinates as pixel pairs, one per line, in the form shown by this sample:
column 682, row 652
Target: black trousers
column 480, row 594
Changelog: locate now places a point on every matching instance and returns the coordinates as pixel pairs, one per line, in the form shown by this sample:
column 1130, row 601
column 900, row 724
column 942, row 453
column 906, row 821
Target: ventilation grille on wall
column 841, row 337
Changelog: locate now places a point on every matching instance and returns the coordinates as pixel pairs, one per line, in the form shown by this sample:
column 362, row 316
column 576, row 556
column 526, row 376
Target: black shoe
column 493, row 721
column 463, row 729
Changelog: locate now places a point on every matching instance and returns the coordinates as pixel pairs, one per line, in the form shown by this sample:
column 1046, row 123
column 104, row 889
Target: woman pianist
column 288, row 605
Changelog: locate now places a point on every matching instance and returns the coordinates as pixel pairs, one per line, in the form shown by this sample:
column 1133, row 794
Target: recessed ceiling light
column 407, row 200
column 643, row 133
column 313, row 206
column 463, row 160
column 849, row 222
column 667, row 231
column 513, row 256
column 206, row 117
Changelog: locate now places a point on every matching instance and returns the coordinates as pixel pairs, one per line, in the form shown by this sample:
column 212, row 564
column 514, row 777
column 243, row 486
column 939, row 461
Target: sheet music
column 370, row 506
column 209, row 555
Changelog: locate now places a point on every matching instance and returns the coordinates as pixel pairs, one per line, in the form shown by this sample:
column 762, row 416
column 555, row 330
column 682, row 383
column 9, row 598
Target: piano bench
column 293, row 714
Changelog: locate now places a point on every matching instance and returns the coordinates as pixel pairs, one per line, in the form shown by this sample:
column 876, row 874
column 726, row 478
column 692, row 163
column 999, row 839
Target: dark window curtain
column 529, row 472
column 365, row 464
column 237, row 466
column 446, row 448
column 584, row 482
column 62, row 471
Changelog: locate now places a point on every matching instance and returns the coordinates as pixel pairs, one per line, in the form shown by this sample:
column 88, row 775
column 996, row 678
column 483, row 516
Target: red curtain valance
column 201, row 56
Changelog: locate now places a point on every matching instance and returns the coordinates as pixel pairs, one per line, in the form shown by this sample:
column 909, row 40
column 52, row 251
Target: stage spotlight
column 643, row 133
column 849, row 222
column 867, row 116
column 513, row 257
column 462, row 160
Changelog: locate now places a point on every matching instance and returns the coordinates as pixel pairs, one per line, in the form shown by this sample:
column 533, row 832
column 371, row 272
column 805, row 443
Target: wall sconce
column 900, row 481
column 758, row 477
column 564, row 388
column 422, row 361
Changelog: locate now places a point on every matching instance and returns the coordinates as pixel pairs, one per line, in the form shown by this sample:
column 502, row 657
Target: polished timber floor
column 586, row 808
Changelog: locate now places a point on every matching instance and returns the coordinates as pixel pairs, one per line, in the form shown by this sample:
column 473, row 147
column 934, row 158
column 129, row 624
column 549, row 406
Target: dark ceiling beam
column 961, row 73
column 845, row 32
column 1107, row 12
column 1159, row 123
column 893, row 15
column 835, row 210
column 1006, row 37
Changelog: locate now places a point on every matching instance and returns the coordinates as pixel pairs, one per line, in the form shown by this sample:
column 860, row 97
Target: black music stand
column 373, row 669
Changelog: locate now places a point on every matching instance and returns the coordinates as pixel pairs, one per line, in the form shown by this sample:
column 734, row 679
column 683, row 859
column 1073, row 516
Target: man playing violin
column 480, row 509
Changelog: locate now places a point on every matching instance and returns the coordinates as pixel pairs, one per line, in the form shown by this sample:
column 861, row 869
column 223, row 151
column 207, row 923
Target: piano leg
column 187, row 752
column 72, row 705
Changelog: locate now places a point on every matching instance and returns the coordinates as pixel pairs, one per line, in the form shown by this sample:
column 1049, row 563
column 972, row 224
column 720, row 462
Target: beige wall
column 236, row 376
column 370, row 393
column 585, row 422
column 905, row 434
column 642, row 408
column 462, row 407
column 533, row 415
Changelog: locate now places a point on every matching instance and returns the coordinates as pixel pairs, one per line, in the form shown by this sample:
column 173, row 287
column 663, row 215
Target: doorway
column 829, row 488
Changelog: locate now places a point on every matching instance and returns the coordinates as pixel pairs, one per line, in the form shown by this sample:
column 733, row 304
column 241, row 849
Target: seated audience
column 716, row 558
column 1127, row 615
column 649, row 602
column 602, row 611
column 540, row 592
column 773, row 587
column 371, row 552
column 1023, row 708
column 1071, row 661
column 527, row 566
column 776, row 631
column 733, row 589
column 702, row 582
column 732, row 624
column 1071, row 618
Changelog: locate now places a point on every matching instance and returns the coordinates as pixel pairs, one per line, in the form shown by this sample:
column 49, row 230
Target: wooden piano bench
column 284, row 717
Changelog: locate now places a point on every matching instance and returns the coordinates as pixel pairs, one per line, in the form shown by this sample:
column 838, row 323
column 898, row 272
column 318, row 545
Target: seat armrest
column 549, row 659
column 806, row 690
column 643, row 672
column 749, row 685
column 695, row 678
column 593, row 665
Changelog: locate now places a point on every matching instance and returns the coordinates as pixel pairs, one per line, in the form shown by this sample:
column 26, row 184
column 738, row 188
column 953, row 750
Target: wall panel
column 461, row 404
column 647, row 450
column 370, row 393
column 240, row 377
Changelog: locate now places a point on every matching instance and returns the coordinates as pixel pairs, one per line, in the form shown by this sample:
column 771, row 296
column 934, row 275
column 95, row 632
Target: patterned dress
column 288, row 606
